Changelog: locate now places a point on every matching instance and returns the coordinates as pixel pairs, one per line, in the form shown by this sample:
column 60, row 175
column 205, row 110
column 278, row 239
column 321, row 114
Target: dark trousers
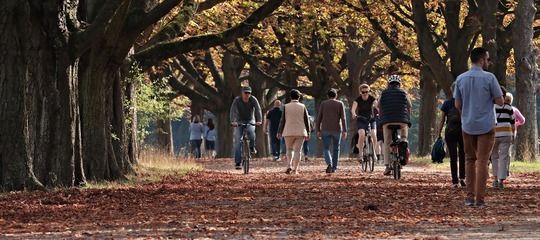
column 275, row 144
column 457, row 155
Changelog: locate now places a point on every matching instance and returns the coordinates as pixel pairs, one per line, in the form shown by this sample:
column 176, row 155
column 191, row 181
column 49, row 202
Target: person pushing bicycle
column 395, row 109
column 362, row 111
column 244, row 109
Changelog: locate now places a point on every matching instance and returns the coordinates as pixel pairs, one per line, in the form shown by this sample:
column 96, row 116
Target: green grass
column 515, row 166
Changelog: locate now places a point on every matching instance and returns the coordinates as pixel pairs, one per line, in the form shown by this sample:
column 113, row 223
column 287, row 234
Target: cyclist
column 244, row 109
column 394, row 109
column 362, row 110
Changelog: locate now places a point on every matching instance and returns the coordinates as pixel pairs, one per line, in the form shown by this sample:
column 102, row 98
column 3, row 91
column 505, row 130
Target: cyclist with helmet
column 394, row 109
column 362, row 111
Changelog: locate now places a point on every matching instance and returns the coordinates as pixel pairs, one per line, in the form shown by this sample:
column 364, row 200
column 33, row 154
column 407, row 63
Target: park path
column 223, row 203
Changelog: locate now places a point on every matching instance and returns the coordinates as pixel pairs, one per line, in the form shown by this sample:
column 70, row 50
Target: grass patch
column 515, row 166
column 153, row 166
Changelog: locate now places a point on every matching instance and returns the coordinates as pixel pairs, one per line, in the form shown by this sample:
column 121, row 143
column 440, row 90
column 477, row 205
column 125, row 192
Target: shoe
column 469, row 203
column 481, row 205
column 387, row 171
column 455, row 185
column 378, row 157
column 495, row 184
column 462, row 182
column 501, row 185
column 295, row 172
column 306, row 159
column 277, row 159
column 237, row 167
column 288, row 171
column 253, row 150
column 329, row 169
column 334, row 170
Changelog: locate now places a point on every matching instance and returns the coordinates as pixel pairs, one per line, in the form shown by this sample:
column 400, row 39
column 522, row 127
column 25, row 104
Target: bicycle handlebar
column 244, row 124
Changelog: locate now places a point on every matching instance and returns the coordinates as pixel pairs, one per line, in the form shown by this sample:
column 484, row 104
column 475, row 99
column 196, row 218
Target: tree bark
column 525, row 56
column 428, row 112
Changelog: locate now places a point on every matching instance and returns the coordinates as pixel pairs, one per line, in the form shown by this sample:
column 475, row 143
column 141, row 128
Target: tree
column 64, row 119
column 526, row 55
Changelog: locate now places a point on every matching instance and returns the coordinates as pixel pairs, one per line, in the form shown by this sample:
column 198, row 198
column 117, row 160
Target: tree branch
column 166, row 50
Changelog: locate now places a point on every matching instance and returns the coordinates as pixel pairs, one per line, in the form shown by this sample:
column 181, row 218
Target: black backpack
column 453, row 124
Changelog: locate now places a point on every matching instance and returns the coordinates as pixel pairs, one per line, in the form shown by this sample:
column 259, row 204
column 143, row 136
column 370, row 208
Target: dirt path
column 222, row 203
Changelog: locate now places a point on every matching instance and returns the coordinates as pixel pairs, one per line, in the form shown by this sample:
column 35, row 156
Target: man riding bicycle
column 243, row 110
column 395, row 109
column 362, row 110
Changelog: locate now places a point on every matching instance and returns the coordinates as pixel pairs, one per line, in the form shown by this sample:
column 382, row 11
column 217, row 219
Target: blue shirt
column 477, row 89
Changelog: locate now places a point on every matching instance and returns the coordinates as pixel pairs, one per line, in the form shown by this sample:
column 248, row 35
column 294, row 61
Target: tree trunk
column 38, row 143
column 225, row 140
column 428, row 112
column 164, row 136
column 525, row 57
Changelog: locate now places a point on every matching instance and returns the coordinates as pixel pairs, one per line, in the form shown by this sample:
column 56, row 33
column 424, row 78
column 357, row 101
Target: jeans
column 196, row 146
column 335, row 138
column 477, row 151
column 456, row 156
column 238, row 135
column 275, row 144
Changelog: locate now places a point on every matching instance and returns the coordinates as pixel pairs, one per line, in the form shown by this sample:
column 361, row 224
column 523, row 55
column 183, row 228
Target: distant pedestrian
column 453, row 137
column 210, row 138
column 294, row 127
column 196, row 131
column 504, row 138
column 331, row 127
column 475, row 92
column 520, row 120
column 306, row 143
column 271, row 126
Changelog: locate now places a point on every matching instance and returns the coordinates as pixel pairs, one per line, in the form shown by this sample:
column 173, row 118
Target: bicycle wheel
column 371, row 156
column 245, row 157
column 363, row 161
column 396, row 166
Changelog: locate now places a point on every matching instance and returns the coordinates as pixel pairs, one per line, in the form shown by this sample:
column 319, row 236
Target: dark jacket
column 393, row 104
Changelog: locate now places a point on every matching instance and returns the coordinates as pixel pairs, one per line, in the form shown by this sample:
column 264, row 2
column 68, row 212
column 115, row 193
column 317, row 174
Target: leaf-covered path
column 222, row 203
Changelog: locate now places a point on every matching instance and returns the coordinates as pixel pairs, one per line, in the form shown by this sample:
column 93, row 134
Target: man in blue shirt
column 476, row 91
column 244, row 109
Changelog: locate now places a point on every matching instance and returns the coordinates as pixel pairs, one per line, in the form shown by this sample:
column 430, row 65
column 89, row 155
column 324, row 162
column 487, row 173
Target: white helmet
column 394, row 78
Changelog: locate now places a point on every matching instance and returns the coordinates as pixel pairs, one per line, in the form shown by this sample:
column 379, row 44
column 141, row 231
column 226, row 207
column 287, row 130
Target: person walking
column 294, row 127
column 331, row 127
column 395, row 109
column 504, row 138
column 210, row 138
column 244, row 109
column 305, row 148
column 453, row 138
column 362, row 111
column 196, row 130
column 271, row 126
column 475, row 92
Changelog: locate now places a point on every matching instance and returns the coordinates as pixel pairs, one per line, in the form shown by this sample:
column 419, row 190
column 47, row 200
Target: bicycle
column 246, row 152
column 369, row 149
column 397, row 159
